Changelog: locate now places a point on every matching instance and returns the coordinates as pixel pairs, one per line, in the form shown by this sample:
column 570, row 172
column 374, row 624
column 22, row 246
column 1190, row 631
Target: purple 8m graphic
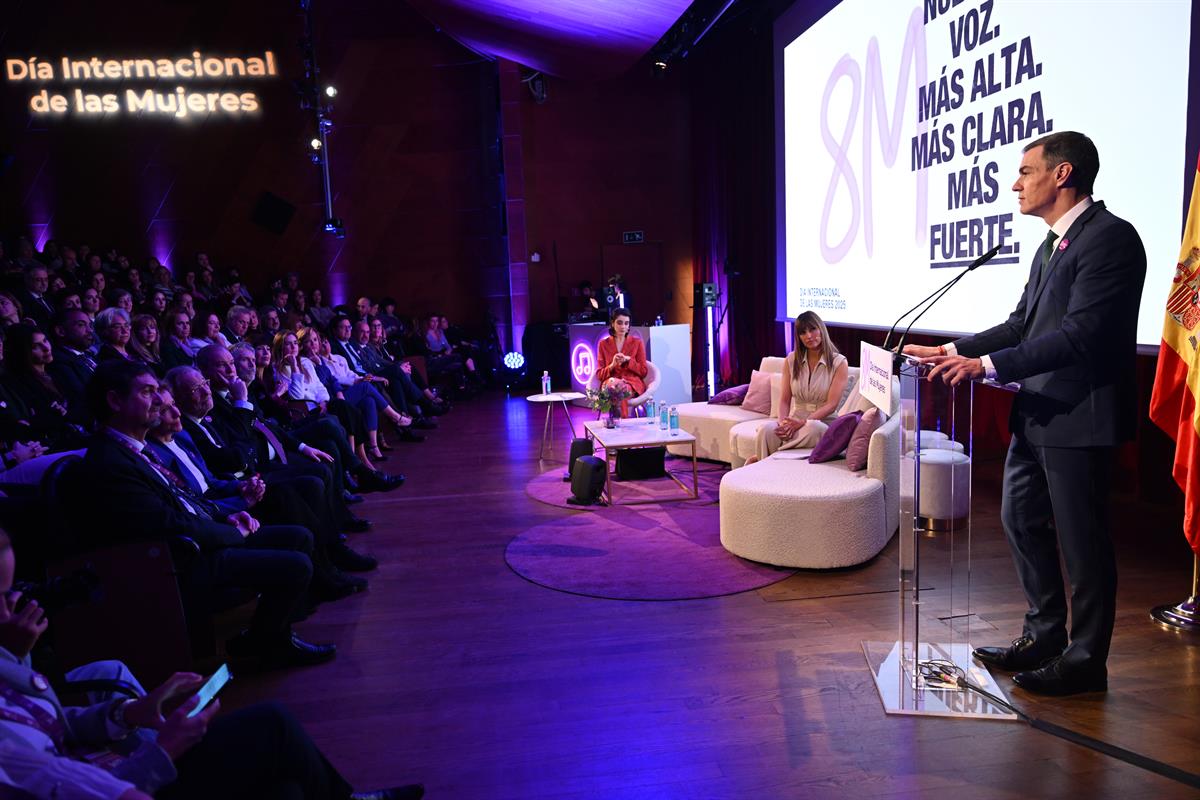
column 870, row 97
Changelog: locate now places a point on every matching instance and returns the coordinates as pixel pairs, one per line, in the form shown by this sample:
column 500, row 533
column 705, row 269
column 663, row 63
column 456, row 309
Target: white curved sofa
column 711, row 424
column 789, row 512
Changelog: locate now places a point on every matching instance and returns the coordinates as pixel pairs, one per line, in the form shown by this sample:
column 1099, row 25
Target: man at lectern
column 1071, row 343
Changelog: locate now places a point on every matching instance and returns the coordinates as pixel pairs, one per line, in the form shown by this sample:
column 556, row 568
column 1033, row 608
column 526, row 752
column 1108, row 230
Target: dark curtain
column 733, row 139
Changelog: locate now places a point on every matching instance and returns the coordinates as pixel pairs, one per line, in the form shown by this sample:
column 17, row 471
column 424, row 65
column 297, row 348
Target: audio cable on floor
column 941, row 673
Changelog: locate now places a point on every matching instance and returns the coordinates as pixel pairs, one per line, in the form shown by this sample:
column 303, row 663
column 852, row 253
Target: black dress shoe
column 376, row 481
column 356, row 525
column 414, row 791
column 349, row 480
column 350, row 560
column 1058, row 678
column 424, row 423
column 350, row 499
column 287, row 651
column 1025, row 653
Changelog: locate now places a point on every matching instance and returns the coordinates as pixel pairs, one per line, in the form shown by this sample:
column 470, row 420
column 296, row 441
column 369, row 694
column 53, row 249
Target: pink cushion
column 758, row 396
column 733, row 396
column 836, row 438
column 860, row 441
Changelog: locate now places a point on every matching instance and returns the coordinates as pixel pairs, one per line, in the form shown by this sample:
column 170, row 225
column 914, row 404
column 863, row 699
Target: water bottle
column 546, row 382
column 651, row 411
column 662, row 416
column 658, row 321
column 674, row 420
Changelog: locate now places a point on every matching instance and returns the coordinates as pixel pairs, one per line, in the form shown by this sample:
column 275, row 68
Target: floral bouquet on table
column 610, row 398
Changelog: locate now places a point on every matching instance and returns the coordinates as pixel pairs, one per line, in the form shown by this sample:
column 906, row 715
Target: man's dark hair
column 115, row 375
column 63, row 317
column 1077, row 150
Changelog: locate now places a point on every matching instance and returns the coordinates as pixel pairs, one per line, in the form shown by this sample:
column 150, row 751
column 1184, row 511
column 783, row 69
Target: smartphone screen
column 210, row 688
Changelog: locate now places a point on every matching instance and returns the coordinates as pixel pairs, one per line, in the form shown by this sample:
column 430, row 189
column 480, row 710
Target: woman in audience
column 621, row 357
column 133, row 282
column 113, row 330
column 158, row 302
column 144, row 345
column 89, row 301
column 206, row 330
column 319, row 309
column 98, row 282
column 33, row 397
column 298, row 315
column 177, row 349
column 119, row 298
column 10, row 310
column 814, row 377
column 440, row 359
column 68, row 298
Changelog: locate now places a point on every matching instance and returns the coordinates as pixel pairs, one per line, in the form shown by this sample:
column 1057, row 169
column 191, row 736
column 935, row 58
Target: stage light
column 330, row 91
column 334, row 225
column 514, row 370
column 660, row 65
column 315, row 144
column 514, row 360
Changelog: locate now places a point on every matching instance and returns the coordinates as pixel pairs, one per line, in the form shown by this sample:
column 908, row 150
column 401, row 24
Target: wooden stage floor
column 454, row 671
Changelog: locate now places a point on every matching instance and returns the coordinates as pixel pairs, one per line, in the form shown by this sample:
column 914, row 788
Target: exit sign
column 633, row 237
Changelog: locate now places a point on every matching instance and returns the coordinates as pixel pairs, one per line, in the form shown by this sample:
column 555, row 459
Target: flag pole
column 1182, row 617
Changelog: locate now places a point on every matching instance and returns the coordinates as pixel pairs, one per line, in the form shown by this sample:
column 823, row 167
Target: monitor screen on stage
column 901, row 127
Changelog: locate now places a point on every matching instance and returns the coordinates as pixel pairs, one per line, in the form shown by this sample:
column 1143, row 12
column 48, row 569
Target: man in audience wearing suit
column 237, row 323
column 131, row 496
column 1071, row 343
column 73, row 365
column 289, row 499
column 32, row 295
column 400, row 388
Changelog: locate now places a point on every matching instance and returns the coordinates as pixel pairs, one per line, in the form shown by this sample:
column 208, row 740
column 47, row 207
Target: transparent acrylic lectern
column 935, row 557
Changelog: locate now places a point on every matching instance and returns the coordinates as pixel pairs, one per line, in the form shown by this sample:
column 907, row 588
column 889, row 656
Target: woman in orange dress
column 623, row 357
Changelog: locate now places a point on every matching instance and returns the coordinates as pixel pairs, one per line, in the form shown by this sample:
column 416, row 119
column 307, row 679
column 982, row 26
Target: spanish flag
column 1173, row 405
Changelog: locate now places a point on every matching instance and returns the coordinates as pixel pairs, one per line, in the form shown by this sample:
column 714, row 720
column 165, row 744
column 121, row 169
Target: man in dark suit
column 73, row 365
column 131, row 497
column 32, row 295
column 1071, row 343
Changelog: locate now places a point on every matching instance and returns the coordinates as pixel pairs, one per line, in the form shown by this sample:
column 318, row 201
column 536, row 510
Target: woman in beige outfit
column 815, row 376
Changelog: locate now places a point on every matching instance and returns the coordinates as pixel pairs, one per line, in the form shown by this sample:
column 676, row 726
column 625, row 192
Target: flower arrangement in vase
column 610, row 399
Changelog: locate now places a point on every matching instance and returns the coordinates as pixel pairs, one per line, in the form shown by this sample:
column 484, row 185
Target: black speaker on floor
column 587, row 481
column 579, row 447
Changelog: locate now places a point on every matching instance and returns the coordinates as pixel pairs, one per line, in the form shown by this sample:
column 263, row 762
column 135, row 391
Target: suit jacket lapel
column 1048, row 269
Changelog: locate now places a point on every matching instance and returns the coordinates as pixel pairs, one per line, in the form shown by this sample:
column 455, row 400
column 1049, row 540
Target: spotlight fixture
column 331, row 91
column 514, row 370
column 660, row 65
column 315, row 144
column 334, row 225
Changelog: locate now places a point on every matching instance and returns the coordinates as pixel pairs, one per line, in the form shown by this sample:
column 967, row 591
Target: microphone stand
column 933, row 298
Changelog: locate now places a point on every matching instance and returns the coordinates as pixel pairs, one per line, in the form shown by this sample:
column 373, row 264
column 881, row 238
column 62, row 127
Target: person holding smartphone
column 152, row 745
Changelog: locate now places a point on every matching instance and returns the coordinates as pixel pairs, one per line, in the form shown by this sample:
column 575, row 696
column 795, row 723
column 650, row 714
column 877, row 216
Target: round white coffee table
column 562, row 398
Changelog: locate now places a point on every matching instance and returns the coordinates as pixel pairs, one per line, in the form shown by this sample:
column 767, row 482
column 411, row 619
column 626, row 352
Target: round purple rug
column 649, row 552
column 550, row 488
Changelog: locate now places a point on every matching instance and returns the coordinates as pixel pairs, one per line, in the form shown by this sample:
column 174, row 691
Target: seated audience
column 177, row 349
column 130, row 496
column 161, row 749
column 32, row 397
column 10, row 311
column 73, row 363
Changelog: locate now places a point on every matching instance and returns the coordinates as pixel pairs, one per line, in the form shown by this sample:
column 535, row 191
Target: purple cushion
column 836, row 438
column 733, row 396
column 860, row 442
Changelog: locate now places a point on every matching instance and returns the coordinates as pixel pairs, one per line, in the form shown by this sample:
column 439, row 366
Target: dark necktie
column 355, row 363
column 1044, row 266
column 197, row 505
column 272, row 439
